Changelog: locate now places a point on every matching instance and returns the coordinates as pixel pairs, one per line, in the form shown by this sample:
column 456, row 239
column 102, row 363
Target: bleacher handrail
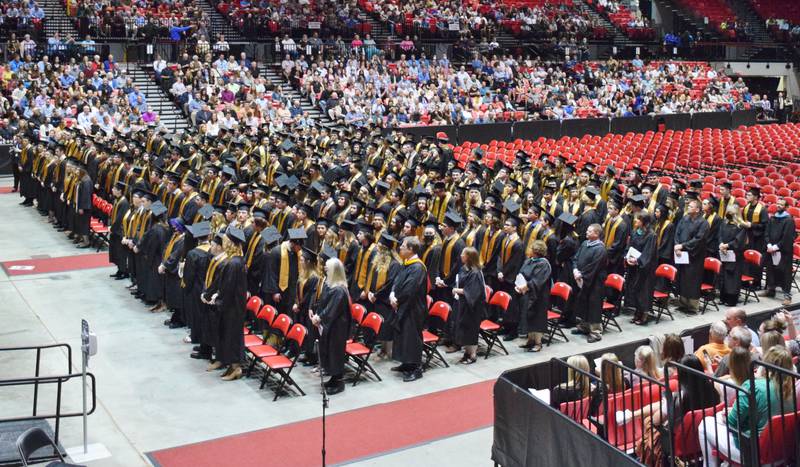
column 36, row 374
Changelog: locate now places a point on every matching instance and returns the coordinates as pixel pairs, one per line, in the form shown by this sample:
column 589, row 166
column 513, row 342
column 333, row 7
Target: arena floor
column 151, row 397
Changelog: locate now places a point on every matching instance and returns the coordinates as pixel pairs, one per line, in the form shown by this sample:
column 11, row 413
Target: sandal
column 535, row 348
column 470, row 360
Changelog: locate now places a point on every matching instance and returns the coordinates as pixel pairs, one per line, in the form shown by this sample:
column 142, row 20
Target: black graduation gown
column 449, row 276
column 83, row 203
column 173, row 295
column 780, row 232
column 410, row 290
column 730, row 277
column 255, row 271
column 471, row 307
column 509, row 261
column 116, row 254
column 306, row 300
column 336, row 322
column 618, row 247
column 591, row 261
column 712, row 237
column 27, row 187
column 535, row 303
column 152, row 248
column 691, row 233
column 194, row 274
column 231, row 302
column 756, row 238
column 641, row 276
column 565, row 250
column 382, row 305
column 271, row 283
column 587, row 218
column 432, row 258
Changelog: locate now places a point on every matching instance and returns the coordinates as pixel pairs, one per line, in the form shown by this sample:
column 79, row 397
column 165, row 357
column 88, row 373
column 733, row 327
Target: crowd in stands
column 24, row 17
column 720, row 17
column 227, row 93
column 412, row 90
column 632, row 23
column 718, row 377
column 257, row 19
column 93, row 95
column 143, row 19
column 623, row 88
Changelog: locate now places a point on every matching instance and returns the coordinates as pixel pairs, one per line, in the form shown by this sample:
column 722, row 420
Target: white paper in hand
column 520, row 281
column 681, row 258
column 776, row 258
column 727, row 256
column 633, row 253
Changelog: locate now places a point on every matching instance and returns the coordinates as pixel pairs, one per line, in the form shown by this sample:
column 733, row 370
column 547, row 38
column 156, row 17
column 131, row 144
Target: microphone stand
column 324, row 398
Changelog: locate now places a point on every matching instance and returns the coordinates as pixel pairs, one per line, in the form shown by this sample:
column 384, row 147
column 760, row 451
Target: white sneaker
column 187, row 339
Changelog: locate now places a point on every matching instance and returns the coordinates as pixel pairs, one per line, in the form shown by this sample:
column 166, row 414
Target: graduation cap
column 588, row 168
column 679, row 184
column 348, row 226
column 287, row 145
column 120, row 186
column 319, row 187
column 283, row 197
column 297, row 234
column 453, row 219
column 228, row 170
column 432, row 224
column 271, row 235
column 568, row 218
column 200, row 229
column 242, row 206
column 696, row 184
column 611, row 170
column 206, row 211
column 149, row 195
column 547, row 217
column 387, row 240
column 713, row 201
column 756, row 191
column 158, row 209
column 259, row 213
column 726, row 185
column 592, row 193
column 638, row 200
column 292, row 182
column 414, row 223
column 235, row 234
column 310, row 254
column 511, row 206
column 192, row 181
column 327, row 253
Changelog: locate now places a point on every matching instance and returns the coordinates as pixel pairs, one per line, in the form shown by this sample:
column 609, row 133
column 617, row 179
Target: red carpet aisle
column 5, row 190
column 351, row 435
column 25, row 267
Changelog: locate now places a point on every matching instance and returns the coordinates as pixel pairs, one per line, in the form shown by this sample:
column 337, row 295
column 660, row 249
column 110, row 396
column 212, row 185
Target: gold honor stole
column 488, row 245
column 212, row 269
column 610, row 231
column 251, row 247
column 361, row 265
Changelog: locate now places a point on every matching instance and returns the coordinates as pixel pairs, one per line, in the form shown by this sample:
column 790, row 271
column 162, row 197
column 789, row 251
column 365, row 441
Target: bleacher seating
column 719, row 14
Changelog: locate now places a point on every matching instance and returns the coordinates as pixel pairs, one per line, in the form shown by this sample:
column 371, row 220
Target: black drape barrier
column 743, row 117
column 535, row 130
column 719, row 120
column 531, row 130
column 585, row 126
column 5, row 159
column 528, row 432
column 633, row 125
column 485, row 132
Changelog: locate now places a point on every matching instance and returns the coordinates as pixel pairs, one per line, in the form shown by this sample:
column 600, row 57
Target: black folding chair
column 34, row 439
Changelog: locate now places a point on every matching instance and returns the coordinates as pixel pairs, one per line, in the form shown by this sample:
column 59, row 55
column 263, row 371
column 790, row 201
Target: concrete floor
column 151, row 396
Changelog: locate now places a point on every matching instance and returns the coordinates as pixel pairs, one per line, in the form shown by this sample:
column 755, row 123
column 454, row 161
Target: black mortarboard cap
column 158, row 208
column 568, row 218
column 271, row 235
column 756, row 191
column 235, row 234
column 387, row 240
column 638, row 200
column 206, row 211
column 348, row 225
column 453, row 219
column 511, row 206
column 297, row 234
column 200, row 229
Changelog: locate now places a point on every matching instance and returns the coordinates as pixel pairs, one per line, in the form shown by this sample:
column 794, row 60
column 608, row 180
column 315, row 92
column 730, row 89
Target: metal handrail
column 39, row 349
column 59, row 381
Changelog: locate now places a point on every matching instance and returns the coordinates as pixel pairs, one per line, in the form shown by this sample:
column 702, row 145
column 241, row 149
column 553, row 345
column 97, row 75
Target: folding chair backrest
column 577, row 410
column 31, row 441
column 753, row 257
column 615, row 281
column 282, row 323
column 297, row 335
column 489, row 290
column 667, row 271
column 440, row 310
column 778, row 441
column 430, row 301
column 561, row 290
column 254, row 305
column 357, row 311
column 685, row 441
column 501, row 299
column 712, row 264
column 267, row 313
column 373, row 322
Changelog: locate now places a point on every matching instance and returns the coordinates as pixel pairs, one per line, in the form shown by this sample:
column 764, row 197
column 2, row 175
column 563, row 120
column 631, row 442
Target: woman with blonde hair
column 535, row 295
column 470, row 300
column 645, row 361
column 380, row 279
column 333, row 323
column 732, row 244
column 578, row 384
column 309, row 291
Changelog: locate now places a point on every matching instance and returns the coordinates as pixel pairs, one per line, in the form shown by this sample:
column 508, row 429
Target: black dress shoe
column 120, row 277
column 200, row 356
column 578, row 331
column 399, row 368
column 412, row 376
column 593, row 338
column 115, row 275
column 175, row 325
column 196, row 348
column 509, row 337
column 339, row 387
column 85, row 246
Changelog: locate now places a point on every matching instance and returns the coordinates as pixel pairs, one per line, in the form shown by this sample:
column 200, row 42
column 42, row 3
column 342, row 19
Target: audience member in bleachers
column 738, row 372
column 737, row 317
column 672, row 349
column 712, row 353
column 773, row 396
column 611, row 382
column 644, row 360
column 737, row 337
column 578, row 385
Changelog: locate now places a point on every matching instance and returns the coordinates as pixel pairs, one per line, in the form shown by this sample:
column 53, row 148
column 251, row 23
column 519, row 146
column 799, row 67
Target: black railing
column 38, row 364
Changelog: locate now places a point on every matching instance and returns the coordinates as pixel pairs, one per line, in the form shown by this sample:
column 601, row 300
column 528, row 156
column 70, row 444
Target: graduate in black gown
column 562, row 269
column 641, row 270
column 228, row 294
column 732, row 237
column 333, row 321
column 780, row 235
column 116, row 254
column 83, row 208
column 470, row 302
column 509, row 261
column 664, row 229
column 380, row 279
column 195, row 267
column 589, row 273
column 151, row 248
column 279, row 287
column 254, row 251
column 690, row 239
column 408, row 298
column 310, row 286
column 174, row 253
column 535, row 295
column 616, row 231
